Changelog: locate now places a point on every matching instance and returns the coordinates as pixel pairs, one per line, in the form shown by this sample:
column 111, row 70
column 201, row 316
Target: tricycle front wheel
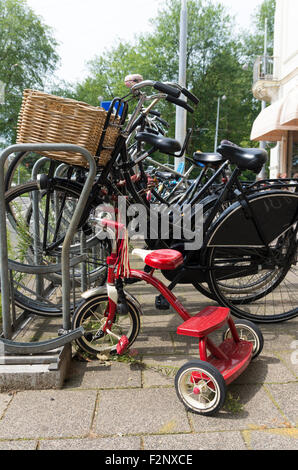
column 200, row 387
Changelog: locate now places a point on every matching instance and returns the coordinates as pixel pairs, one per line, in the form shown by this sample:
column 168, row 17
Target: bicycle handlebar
column 190, row 95
column 185, row 92
column 167, row 89
column 180, row 103
column 172, row 90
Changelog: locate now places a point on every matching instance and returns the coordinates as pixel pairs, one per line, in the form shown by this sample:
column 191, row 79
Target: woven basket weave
column 47, row 118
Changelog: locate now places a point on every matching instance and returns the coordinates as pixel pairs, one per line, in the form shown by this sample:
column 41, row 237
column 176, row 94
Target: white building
column 276, row 82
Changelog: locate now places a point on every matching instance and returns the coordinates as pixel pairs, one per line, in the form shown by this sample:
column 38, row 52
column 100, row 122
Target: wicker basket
column 47, row 118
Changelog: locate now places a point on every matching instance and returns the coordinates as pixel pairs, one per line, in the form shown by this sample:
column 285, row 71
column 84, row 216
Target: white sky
column 85, row 28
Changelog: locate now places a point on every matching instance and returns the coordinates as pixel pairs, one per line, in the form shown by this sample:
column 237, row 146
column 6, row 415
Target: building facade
column 276, row 83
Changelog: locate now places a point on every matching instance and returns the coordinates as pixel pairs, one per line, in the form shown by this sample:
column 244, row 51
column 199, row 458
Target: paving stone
column 5, row 399
column 119, row 443
column 290, row 359
column 265, row 369
column 274, row 439
column 154, row 343
column 202, row 441
column 55, row 413
column 278, row 337
column 140, row 411
column 97, row 375
column 247, row 407
column 18, row 445
column 163, row 322
column 161, row 370
column 286, row 398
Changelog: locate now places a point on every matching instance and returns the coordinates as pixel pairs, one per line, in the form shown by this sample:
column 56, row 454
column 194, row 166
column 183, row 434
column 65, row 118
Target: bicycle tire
column 25, row 287
column 274, row 298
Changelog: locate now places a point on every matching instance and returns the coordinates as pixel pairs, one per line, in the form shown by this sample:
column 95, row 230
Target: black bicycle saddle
column 245, row 158
column 164, row 144
column 208, row 158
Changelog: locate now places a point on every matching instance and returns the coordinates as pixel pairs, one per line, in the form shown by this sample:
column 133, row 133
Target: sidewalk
column 132, row 404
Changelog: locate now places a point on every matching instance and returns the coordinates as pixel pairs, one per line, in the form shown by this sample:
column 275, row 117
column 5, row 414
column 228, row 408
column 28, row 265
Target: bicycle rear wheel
column 255, row 284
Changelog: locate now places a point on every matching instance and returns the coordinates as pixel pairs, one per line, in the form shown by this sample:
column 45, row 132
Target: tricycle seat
column 160, row 259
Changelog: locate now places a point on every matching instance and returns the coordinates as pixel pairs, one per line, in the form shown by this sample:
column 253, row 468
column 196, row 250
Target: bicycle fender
column 274, row 211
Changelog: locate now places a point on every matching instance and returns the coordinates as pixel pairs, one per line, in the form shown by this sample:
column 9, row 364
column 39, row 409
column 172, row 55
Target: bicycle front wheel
column 48, row 221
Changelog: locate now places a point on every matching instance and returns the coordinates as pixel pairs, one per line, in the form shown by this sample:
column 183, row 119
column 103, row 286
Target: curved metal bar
column 44, row 268
column 13, row 347
column 4, row 271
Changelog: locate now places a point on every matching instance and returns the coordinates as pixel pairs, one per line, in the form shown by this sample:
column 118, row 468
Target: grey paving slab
column 165, row 321
column 202, row 441
column 290, row 358
column 5, row 399
column 286, row 397
column 95, row 374
column 111, row 443
column 140, row 411
column 279, row 337
column 161, row 370
column 273, row 439
column 266, row 368
column 154, row 343
column 18, row 445
column 56, row 413
column 256, row 410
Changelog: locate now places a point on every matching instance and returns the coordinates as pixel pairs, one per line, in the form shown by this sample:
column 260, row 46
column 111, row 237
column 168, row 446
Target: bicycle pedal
column 122, row 345
column 161, row 303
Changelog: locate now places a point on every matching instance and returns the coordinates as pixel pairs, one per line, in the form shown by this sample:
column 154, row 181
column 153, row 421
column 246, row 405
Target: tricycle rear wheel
column 248, row 331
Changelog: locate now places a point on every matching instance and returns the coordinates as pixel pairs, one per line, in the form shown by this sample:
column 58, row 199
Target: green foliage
column 27, row 57
column 219, row 62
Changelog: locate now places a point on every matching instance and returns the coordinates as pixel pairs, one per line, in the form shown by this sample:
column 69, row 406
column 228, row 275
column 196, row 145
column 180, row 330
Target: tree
column 156, row 56
column 27, row 58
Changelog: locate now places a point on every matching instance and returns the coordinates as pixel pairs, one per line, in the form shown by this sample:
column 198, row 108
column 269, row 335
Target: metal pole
column 217, row 125
column 262, row 174
column 180, row 112
column 36, row 228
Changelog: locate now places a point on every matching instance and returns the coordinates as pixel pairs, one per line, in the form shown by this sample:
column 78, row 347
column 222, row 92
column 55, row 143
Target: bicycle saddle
column 164, row 144
column 208, row 158
column 245, row 158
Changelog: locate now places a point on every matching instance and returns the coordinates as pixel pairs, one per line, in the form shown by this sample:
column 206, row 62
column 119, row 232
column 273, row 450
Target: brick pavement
column 121, row 405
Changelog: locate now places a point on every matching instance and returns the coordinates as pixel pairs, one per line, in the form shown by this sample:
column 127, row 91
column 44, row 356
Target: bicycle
column 56, row 198
column 245, row 278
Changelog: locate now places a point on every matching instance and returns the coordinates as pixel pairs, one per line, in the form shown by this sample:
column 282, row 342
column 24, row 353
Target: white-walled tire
column 200, row 387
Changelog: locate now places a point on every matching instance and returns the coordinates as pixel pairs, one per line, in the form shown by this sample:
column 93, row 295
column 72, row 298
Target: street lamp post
column 180, row 131
column 262, row 174
column 223, row 98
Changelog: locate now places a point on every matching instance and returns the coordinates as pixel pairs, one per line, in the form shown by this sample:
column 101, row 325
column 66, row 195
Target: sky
column 85, row 28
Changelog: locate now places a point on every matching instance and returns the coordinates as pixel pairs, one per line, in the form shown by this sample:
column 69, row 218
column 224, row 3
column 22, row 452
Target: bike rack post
column 4, row 271
column 36, row 239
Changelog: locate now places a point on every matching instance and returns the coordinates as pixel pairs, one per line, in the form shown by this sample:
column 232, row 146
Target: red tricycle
column 106, row 313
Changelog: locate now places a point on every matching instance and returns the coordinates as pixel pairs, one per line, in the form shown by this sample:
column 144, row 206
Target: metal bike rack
column 7, row 345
